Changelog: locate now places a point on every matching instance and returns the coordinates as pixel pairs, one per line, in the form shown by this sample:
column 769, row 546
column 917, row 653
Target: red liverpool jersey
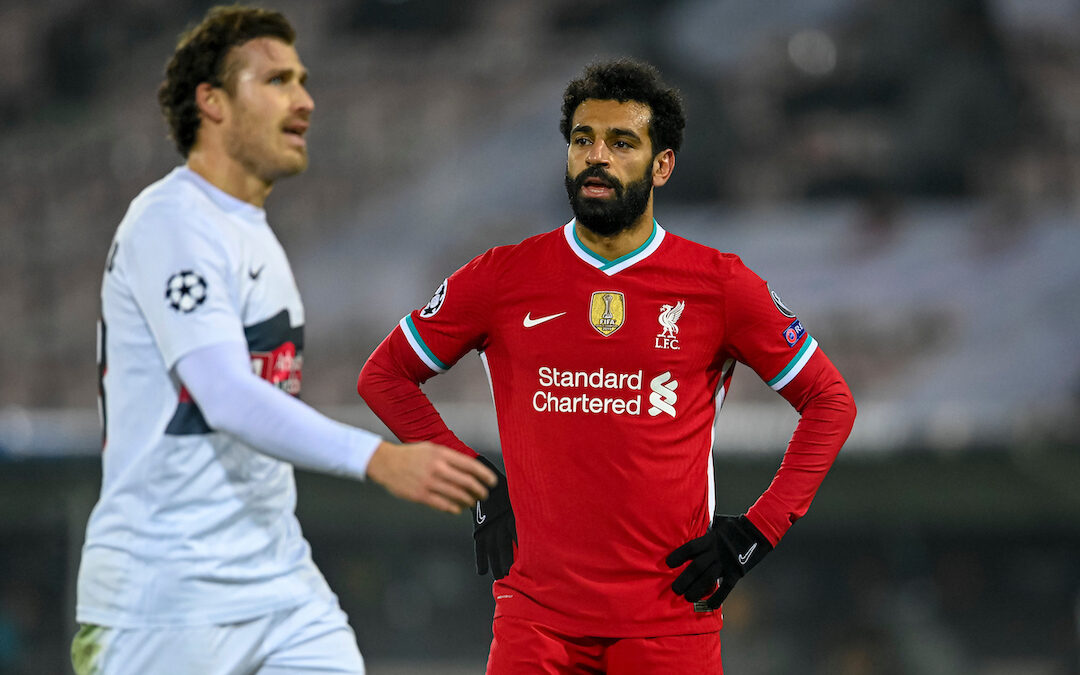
column 607, row 377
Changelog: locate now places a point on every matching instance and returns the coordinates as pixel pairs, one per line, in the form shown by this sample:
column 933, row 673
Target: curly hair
column 628, row 80
column 201, row 56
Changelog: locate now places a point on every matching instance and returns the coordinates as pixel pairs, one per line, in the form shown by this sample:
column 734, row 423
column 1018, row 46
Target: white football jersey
column 192, row 527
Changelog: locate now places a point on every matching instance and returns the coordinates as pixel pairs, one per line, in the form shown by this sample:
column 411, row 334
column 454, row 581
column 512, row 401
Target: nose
column 304, row 102
column 599, row 155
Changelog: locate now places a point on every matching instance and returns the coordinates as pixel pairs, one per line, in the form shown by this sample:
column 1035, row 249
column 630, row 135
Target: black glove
column 719, row 558
column 494, row 531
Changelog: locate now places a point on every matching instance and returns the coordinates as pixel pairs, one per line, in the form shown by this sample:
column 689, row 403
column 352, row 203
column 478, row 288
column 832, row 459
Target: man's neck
column 619, row 244
column 229, row 176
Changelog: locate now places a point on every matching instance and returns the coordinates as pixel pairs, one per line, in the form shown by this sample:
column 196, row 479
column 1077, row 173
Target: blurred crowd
column 877, row 103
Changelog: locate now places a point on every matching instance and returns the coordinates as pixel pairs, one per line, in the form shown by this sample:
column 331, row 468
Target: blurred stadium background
column 906, row 173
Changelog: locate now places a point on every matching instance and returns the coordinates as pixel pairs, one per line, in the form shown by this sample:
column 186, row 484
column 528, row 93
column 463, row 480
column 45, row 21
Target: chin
column 291, row 167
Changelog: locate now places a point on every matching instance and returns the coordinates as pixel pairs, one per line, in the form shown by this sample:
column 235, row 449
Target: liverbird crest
column 669, row 318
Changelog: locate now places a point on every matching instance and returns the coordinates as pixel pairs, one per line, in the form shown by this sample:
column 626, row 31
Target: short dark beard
column 608, row 217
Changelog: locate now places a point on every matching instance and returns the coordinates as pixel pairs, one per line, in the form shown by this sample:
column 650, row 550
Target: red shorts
column 522, row 647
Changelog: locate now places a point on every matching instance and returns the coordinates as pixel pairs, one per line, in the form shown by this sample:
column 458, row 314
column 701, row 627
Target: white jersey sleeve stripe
column 421, row 349
column 795, row 366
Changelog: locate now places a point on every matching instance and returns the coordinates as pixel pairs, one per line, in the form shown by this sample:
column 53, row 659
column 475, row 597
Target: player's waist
column 137, row 597
column 615, row 608
column 172, row 559
column 599, row 557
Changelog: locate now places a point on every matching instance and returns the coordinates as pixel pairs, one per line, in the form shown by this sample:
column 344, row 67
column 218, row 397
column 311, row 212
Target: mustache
column 598, row 172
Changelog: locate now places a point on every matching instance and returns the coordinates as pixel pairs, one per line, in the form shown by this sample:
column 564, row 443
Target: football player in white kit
column 194, row 561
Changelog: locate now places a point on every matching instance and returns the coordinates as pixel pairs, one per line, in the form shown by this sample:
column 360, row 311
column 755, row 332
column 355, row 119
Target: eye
column 581, row 140
column 276, row 79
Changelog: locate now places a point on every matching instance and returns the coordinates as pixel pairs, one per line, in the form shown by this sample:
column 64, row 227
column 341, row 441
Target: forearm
column 827, row 413
column 236, row 402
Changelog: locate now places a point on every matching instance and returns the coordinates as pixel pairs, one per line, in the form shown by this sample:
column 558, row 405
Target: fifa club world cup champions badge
column 607, row 311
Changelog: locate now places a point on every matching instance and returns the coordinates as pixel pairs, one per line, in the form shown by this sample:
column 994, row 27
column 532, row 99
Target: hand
column 430, row 474
column 719, row 558
column 494, row 529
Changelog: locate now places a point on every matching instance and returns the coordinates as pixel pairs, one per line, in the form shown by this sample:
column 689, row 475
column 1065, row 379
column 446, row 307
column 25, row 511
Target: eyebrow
column 300, row 75
column 625, row 132
column 616, row 131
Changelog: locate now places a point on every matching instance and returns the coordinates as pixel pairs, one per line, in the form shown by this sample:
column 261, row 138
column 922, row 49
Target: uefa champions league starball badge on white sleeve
column 184, row 291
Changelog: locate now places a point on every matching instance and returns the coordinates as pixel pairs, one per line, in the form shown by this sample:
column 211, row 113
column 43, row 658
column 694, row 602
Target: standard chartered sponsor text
column 546, row 400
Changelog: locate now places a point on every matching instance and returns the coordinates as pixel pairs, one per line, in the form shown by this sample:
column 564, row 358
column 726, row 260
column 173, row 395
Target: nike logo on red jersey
column 529, row 322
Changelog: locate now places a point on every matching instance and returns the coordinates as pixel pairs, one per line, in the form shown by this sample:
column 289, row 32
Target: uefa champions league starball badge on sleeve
column 185, row 291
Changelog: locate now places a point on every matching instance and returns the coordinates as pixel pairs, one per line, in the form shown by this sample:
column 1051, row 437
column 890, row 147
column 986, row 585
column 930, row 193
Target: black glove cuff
column 745, row 542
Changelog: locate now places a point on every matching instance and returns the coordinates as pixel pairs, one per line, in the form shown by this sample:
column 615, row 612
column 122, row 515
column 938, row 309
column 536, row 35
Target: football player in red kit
column 610, row 344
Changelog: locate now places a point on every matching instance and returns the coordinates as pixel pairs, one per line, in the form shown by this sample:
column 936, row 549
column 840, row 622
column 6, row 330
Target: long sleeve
column 390, row 383
column 827, row 414
column 233, row 400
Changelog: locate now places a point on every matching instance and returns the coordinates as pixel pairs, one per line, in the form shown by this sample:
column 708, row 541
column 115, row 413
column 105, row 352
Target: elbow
column 373, row 382
column 852, row 409
column 835, row 404
column 365, row 381
column 845, row 412
column 842, row 403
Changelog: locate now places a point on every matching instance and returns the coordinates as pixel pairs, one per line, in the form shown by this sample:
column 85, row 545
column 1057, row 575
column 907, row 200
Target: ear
column 663, row 165
column 211, row 101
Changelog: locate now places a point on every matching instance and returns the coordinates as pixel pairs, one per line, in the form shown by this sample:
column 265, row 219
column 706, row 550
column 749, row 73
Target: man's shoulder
column 164, row 203
column 533, row 243
column 174, row 187
column 534, row 248
column 696, row 253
